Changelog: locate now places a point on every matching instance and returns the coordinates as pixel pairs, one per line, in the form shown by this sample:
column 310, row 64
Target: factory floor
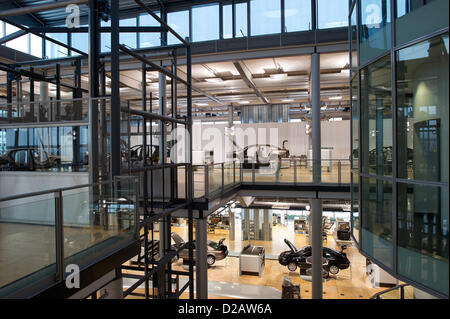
column 224, row 280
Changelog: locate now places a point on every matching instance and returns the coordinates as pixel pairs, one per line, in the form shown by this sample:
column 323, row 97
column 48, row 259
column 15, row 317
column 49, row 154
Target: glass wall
column 227, row 19
column 149, row 39
column 355, row 207
column 297, row 15
column 332, row 13
column 179, row 22
column 376, row 118
column 375, row 28
column 265, row 17
column 403, row 118
column 355, row 124
column 422, row 110
column 205, row 22
column 53, row 50
column 423, row 233
column 241, row 20
column 410, row 22
column 128, row 39
column 376, row 223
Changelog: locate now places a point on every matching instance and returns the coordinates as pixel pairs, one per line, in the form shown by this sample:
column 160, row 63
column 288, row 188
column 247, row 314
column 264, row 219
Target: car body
column 215, row 250
column 28, row 159
column 294, row 258
column 260, row 155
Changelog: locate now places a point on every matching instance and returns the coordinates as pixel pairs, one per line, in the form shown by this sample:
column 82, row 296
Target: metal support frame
column 201, row 265
column 316, row 244
column 315, row 104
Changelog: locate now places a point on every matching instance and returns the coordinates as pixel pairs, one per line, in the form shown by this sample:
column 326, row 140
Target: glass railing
column 42, row 233
column 214, row 179
column 45, row 111
column 403, row 291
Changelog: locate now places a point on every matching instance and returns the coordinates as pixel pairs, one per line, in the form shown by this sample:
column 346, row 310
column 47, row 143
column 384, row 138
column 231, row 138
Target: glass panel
column 353, row 43
column 423, row 234
column 53, row 50
column 204, row 29
column 265, row 17
column 422, row 108
column 375, row 28
column 214, row 178
column 128, row 38
column 20, row 43
column 228, row 174
column 227, row 26
column 241, row 20
column 105, row 37
column 355, row 124
column 80, row 41
column 376, row 219
column 355, row 207
column 149, row 39
column 376, row 118
column 418, row 18
column 332, row 13
column 27, row 242
column 179, row 22
column 297, row 15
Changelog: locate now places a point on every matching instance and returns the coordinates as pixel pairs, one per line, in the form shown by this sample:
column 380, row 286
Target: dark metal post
column 59, row 233
column 9, row 79
column 115, row 90
column 94, row 52
column 315, row 104
column 58, row 91
column 201, row 264
column 32, row 97
column 316, row 244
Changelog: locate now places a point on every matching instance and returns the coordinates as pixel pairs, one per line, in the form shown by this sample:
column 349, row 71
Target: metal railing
column 218, row 178
column 397, row 292
column 66, row 226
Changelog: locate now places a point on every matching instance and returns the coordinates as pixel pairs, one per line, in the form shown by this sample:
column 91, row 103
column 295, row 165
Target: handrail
column 401, row 287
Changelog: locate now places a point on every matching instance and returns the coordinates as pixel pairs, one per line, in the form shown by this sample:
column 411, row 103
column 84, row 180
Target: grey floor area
column 226, row 289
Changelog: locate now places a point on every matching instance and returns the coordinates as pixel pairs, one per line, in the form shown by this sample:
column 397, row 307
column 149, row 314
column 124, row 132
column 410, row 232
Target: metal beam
column 13, row 36
column 163, row 24
column 45, row 37
column 102, row 29
column 248, row 79
column 316, row 248
column 40, row 8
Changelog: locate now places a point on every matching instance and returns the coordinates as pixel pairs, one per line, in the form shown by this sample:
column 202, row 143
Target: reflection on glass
column 417, row 18
column 355, row 207
column 332, row 13
column 376, row 118
column 241, row 20
column 128, row 39
column 149, row 39
column 297, row 15
column 53, row 50
column 353, row 43
column 355, row 124
column 422, row 111
column 80, row 41
column 423, row 234
column 179, row 22
column 204, row 29
column 375, row 31
column 376, row 224
column 265, row 17
column 44, row 149
column 227, row 18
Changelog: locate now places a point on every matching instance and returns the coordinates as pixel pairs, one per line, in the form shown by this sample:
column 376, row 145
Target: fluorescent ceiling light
column 335, row 98
column 201, row 104
column 214, row 80
column 288, row 100
column 278, row 76
column 244, row 102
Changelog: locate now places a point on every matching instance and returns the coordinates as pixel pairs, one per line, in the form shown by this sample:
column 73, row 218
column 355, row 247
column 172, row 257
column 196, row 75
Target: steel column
column 316, row 244
column 315, row 104
column 115, row 90
column 201, row 265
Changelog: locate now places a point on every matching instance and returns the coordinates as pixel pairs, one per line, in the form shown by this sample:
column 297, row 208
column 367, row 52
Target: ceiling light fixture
column 278, row 76
column 214, row 80
column 335, row 98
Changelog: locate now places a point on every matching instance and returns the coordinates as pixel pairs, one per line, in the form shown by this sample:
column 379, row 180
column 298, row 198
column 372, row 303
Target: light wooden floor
column 347, row 284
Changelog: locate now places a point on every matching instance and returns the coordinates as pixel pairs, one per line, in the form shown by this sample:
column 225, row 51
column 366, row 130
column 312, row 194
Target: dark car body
column 293, row 257
column 27, row 159
column 260, row 155
column 215, row 250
